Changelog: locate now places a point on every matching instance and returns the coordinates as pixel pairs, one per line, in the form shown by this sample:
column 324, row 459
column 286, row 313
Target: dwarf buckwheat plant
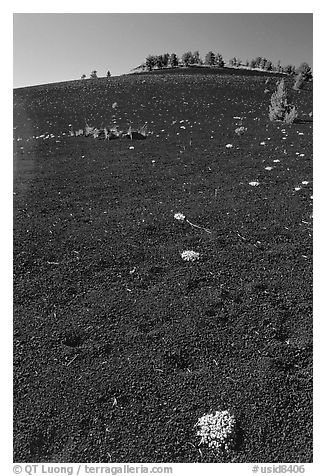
column 217, row 430
column 240, row 130
column 181, row 217
column 189, row 255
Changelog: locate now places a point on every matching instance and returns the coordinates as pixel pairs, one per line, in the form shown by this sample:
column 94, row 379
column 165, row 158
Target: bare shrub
column 137, row 134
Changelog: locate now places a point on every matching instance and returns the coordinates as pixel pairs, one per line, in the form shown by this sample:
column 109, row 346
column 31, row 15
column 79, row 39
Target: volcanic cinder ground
column 120, row 345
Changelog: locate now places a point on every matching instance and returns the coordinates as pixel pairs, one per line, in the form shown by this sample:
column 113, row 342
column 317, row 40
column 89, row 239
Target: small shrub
column 299, row 82
column 289, row 69
column 280, row 109
column 305, row 70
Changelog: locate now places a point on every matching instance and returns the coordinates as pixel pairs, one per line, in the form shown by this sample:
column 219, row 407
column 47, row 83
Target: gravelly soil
column 119, row 345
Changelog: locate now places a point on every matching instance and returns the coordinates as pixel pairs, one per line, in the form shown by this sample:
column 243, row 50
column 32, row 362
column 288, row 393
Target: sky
column 52, row 47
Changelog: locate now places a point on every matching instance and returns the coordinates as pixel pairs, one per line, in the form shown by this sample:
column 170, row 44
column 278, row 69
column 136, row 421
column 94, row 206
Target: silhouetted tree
column 93, row 74
column 252, row 63
column 262, row 63
column 186, row 58
column 258, row 61
column 83, row 76
column 210, row 58
column 195, row 58
column 165, row 59
column 299, row 82
column 174, row 60
column 289, row 69
column 159, row 61
column 150, row 62
column 268, row 65
column 219, row 60
column 305, row 70
column 108, row 74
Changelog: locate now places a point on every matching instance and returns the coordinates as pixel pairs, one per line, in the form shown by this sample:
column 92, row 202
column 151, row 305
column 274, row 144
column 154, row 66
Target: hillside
column 120, row 345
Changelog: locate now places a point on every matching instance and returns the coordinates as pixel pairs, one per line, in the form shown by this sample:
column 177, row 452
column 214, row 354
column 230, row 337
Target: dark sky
column 50, row 47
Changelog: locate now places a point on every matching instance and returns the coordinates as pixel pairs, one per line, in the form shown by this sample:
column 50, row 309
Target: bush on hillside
column 280, row 109
column 305, row 70
column 299, row 82
column 291, row 116
column 289, row 69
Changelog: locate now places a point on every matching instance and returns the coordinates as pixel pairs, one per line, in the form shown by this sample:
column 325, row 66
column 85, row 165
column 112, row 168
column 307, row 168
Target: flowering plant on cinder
column 217, row 430
column 181, row 217
column 190, row 255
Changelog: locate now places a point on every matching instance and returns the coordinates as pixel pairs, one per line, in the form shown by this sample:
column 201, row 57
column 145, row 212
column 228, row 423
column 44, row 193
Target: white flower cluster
column 189, row 255
column 179, row 216
column 217, row 431
column 240, row 130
